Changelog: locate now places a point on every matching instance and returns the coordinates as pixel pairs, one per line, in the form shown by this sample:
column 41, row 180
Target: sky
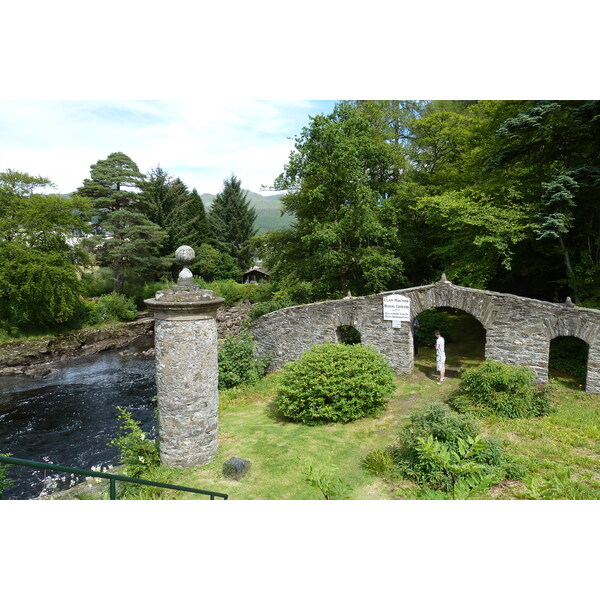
column 200, row 141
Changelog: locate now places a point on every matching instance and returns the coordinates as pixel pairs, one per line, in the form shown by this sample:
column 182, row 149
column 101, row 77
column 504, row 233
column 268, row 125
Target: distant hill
column 268, row 211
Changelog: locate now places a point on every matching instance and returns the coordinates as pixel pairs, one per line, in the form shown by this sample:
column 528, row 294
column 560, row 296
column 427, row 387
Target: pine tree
column 114, row 184
column 232, row 222
column 131, row 247
column 131, row 242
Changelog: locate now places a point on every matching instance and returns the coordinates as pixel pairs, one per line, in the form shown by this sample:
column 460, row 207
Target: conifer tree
column 187, row 223
column 232, row 221
column 113, row 184
column 131, row 242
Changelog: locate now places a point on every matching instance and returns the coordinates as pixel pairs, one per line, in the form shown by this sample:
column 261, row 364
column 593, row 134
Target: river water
column 68, row 417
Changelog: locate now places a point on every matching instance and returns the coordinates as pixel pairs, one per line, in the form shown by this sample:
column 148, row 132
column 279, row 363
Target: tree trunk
column 569, row 268
column 119, row 280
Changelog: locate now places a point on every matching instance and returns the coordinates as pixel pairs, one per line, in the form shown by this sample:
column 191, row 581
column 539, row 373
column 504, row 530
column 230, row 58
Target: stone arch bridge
column 518, row 330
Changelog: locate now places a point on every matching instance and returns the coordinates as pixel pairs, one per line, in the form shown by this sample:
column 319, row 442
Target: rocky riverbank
column 35, row 357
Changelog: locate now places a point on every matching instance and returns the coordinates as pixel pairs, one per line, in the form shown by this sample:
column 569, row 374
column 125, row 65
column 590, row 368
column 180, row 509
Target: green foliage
column 138, row 453
column 237, row 363
column 187, row 223
column 504, row 390
column 110, row 308
column 380, row 462
column 211, row 264
column 132, row 247
column 113, row 184
column 97, row 282
column 263, row 308
column 348, row 334
column 326, row 481
column 429, row 321
column 336, row 180
column 563, row 486
column 335, row 383
column 462, row 472
column 441, row 449
column 128, row 241
column 4, row 479
column 140, row 290
column 569, row 355
column 234, row 292
column 232, row 222
column 37, row 289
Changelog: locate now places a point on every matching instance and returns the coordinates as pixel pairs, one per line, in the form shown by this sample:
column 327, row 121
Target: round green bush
column 494, row 388
column 335, row 383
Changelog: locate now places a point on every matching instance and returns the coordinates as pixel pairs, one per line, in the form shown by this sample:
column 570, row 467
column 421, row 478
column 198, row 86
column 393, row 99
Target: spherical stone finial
column 185, row 255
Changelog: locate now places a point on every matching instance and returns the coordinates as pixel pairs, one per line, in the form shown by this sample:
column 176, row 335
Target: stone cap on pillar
column 185, row 301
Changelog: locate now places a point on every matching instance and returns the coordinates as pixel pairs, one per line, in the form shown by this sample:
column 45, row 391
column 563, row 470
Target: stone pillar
column 592, row 382
column 185, row 339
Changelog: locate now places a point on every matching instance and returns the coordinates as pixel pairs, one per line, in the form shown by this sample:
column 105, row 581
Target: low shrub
column 237, row 363
column 263, row 308
column 379, row 462
column 110, row 308
column 324, row 479
column 140, row 291
column 137, row 453
column 97, row 282
column 444, row 450
column 493, row 388
column 232, row 291
column 335, row 383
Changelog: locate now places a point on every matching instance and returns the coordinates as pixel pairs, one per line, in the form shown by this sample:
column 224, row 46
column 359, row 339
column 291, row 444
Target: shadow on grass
column 275, row 414
column 431, row 373
column 566, row 380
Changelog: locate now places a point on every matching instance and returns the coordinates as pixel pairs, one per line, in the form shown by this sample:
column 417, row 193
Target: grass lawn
column 561, row 451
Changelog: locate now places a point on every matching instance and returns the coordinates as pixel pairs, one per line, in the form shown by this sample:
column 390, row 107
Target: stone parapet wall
column 518, row 330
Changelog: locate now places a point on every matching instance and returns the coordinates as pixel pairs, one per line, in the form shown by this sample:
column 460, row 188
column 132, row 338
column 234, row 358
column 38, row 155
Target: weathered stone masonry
column 518, row 330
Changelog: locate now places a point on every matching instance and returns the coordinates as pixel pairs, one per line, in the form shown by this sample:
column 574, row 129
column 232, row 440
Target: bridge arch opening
column 568, row 358
column 346, row 334
column 465, row 339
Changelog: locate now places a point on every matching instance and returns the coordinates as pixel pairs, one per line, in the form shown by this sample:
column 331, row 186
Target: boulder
column 236, row 468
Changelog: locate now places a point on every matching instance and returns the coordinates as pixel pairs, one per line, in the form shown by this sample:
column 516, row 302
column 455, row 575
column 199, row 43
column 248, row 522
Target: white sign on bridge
column 396, row 308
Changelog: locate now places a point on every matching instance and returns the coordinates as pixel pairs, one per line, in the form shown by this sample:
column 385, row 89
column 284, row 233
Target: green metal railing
column 10, row 460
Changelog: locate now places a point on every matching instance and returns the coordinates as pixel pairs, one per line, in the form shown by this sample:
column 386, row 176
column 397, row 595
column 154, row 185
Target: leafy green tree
column 232, row 222
column 39, row 286
column 555, row 147
column 336, row 180
column 212, row 264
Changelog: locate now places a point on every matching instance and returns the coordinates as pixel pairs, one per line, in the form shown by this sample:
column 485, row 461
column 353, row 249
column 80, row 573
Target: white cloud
column 200, row 141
